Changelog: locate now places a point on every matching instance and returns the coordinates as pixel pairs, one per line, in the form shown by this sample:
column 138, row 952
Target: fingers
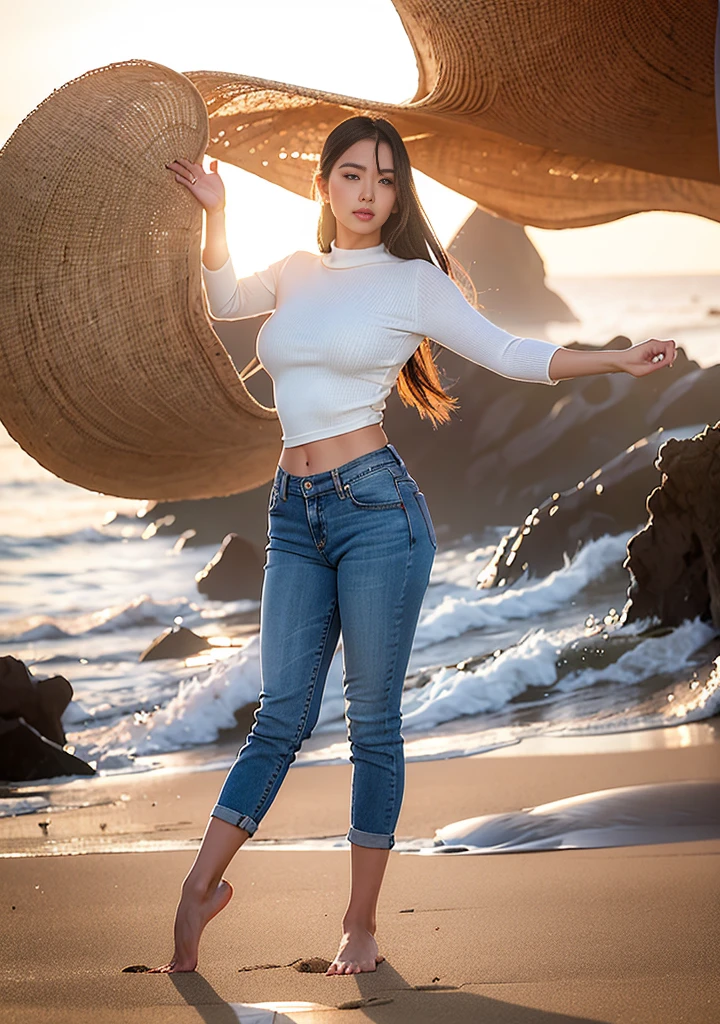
column 189, row 177
column 661, row 351
column 193, row 170
column 669, row 352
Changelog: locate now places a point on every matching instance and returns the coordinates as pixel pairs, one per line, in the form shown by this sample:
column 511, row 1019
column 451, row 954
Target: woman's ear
column 322, row 190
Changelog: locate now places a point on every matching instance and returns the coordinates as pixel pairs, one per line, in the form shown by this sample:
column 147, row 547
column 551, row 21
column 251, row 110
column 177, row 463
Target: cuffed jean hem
column 234, row 818
column 375, row 840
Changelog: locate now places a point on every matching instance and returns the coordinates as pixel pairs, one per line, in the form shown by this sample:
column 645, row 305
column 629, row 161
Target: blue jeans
column 349, row 549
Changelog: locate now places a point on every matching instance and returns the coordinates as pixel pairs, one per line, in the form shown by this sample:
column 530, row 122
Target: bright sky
column 359, row 50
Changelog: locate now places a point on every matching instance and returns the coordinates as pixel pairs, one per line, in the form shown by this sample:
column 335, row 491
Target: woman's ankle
column 353, row 920
column 198, row 887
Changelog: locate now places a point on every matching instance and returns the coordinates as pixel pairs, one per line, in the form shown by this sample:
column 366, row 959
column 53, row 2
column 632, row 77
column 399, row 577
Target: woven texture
column 111, row 375
column 547, row 112
column 556, row 114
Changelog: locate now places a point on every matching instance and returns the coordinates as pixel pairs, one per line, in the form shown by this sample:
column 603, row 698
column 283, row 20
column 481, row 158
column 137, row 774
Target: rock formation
column 31, row 732
column 610, row 500
column 674, row 561
column 507, row 271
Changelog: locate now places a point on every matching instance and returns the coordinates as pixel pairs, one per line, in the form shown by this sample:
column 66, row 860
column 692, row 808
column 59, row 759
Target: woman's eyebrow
column 361, row 167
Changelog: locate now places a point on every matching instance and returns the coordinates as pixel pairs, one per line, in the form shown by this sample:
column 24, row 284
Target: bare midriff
column 331, row 452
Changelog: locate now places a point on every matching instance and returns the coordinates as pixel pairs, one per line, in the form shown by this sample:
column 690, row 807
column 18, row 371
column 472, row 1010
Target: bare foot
column 358, row 952
column 192, row 914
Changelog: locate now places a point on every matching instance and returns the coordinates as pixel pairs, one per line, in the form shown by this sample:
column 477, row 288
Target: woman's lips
column 363, row 215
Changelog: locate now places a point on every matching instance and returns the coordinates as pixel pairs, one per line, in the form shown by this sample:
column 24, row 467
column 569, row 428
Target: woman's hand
column 646, row 358
column 207, row 188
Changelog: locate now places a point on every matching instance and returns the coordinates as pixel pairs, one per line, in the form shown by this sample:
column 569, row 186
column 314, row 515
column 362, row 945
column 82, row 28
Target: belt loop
column 283, row 484
column 396, row 454
column 336, row 481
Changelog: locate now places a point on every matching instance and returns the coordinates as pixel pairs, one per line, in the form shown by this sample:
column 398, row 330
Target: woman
column 351, row 541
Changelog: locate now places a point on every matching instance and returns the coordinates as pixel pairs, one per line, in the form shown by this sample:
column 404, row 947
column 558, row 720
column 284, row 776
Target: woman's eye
column 351, row 175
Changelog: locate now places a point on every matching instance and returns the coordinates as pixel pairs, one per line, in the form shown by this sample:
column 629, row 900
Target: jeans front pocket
column 420, row 498
column 376, row 489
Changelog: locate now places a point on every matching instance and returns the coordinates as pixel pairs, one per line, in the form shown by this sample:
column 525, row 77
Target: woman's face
column 355, row 185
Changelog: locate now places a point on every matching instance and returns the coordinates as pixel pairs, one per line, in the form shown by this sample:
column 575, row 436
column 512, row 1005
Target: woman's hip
column 369, row 507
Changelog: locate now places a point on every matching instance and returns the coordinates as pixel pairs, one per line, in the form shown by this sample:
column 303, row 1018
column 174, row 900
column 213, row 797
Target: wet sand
column 628, row 934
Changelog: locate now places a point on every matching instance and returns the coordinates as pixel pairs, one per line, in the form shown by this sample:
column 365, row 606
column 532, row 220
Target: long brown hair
column 408, row 234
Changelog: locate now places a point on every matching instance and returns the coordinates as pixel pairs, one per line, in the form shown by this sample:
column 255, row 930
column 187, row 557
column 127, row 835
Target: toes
column 352, row 967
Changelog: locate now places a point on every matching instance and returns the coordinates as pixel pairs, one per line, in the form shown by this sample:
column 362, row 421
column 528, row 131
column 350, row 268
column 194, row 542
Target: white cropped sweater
column 346, row 322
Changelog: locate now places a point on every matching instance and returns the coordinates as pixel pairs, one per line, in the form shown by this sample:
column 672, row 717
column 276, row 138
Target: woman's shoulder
column 297, row 262
column 427, row 267
column 429, row 276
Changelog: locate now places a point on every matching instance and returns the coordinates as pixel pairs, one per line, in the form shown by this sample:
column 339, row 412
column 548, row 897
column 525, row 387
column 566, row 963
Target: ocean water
column 84, row 590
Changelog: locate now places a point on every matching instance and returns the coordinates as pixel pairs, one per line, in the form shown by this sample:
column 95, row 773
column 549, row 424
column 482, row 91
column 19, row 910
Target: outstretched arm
column 444, row 314
column 638, row 361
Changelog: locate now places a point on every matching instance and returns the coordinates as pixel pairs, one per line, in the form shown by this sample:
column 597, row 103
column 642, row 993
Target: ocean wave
column 456, row 614
column 140, row 611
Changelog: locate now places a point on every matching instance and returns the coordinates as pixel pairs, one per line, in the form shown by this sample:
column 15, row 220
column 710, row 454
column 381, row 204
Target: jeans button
column 307, row 485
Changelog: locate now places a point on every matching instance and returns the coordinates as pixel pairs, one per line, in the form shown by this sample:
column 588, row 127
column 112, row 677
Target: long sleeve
column 230, row 298
column 445, row 315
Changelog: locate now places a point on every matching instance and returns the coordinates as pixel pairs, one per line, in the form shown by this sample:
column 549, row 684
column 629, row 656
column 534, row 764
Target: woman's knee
column 375, row 735
column 275, row 729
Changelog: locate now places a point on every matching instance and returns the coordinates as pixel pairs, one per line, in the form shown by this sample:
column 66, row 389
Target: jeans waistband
column 333, row 479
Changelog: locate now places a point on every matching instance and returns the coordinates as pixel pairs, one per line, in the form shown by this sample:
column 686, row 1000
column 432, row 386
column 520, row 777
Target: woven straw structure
column 111, row 375
column 557, row 113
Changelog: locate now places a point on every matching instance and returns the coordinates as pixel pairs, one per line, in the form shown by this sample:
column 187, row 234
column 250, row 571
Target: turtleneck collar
column 338, row 258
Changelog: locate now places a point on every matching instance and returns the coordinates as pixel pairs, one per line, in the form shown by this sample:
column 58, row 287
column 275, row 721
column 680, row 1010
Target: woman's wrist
column 618, row 360
column 216, row 213
column 567, row 363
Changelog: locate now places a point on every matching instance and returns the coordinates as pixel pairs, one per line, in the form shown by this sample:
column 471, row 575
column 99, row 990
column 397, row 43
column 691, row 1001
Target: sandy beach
column 627, row 934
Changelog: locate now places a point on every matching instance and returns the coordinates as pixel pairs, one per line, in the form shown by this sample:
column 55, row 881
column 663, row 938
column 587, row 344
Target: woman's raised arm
column 229, row 298
column 209, row 190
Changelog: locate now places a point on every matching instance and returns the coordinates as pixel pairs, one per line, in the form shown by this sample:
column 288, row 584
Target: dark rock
column 234, row 573
column 507, row 271
column 592, row 419
column 674, row 562
column 175, row 642
column 40, row 702
column 610, row 500
column 26, row 755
